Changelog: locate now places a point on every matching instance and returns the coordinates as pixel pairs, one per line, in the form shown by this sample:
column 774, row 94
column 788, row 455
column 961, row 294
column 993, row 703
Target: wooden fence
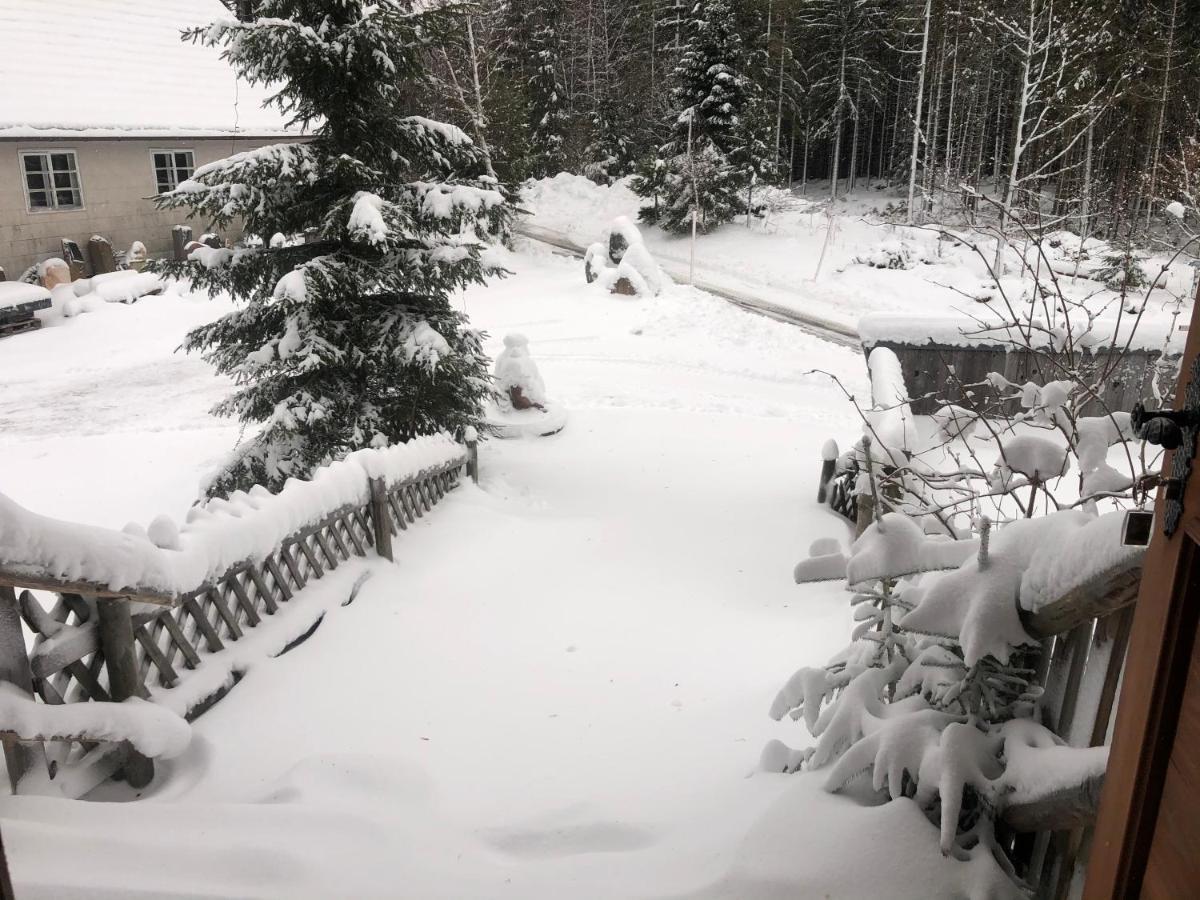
column 96, row 644
column 940, row 373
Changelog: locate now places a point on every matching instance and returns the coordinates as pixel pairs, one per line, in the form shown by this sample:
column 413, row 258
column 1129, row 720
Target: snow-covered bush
column 892, row 254
column 998, row 505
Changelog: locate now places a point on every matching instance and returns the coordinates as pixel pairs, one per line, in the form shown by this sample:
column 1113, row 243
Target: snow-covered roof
column 117, row 68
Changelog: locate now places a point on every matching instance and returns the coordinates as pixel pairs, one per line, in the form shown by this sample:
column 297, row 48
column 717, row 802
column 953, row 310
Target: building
column 104, row 106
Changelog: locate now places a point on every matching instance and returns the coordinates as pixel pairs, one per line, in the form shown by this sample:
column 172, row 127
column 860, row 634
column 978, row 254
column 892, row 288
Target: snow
column 212, row 257
column 583, row 645
column 777, row 261
column 118, row 68
column 292, row 286
column 125, row 286
column 976, row 606
column 897, row 546
column 1175, row 209
column 425, row 345
column 889, row 424
column 152, row 729
column 1091, row 550
column 366, row 219
column 988, row 328
column 14, row 293
column 1034, row 456
column 1037, row 765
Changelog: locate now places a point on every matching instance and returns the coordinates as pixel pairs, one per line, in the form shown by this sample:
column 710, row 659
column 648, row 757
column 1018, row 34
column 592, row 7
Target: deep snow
column 833, row 267
column 561, row 686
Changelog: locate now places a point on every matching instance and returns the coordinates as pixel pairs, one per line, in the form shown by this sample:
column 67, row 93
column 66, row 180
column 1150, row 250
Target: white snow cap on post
column 891, row 422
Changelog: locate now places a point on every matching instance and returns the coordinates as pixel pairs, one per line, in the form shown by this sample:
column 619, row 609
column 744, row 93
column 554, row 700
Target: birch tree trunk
column 916, row 139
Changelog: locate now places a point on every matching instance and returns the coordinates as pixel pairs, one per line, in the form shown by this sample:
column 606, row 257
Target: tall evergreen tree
column 546, row 97
column 348, row 339
column 713, row 152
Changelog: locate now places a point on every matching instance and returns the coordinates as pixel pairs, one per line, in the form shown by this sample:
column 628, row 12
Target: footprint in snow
column 569, row 840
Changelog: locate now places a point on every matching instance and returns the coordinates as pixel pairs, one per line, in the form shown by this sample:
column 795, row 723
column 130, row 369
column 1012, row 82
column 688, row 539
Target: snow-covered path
column 559, row 689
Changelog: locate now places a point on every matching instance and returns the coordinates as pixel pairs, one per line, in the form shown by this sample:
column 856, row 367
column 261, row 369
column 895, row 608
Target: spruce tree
column 345, row 337
column 712, row 97
column 547, row 98
column 537, row 101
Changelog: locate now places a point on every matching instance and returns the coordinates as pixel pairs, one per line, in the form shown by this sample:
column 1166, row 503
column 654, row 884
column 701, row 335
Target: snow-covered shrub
column 1016, row 495
column 892, row 254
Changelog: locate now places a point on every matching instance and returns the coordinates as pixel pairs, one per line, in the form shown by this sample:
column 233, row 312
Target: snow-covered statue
column 521, row 408
column 519, row 385
column 620, row 262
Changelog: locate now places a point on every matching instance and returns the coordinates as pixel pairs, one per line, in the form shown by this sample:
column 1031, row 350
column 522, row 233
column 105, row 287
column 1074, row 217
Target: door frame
column 1156, row 668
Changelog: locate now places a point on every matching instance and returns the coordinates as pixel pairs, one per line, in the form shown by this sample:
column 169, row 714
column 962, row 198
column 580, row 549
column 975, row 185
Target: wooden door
column 1147, row 838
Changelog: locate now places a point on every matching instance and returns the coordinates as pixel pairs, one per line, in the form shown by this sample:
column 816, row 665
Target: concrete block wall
column 117, row 178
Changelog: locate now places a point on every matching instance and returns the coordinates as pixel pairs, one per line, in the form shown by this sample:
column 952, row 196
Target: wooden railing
column 96, row 643
column 1084, row 635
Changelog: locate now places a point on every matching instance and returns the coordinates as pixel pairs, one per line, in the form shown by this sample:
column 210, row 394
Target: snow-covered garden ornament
column 521, row 408
column 620, row 262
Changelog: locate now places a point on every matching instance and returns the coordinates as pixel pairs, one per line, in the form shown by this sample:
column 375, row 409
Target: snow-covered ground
column 793, row 259
column 559, row 689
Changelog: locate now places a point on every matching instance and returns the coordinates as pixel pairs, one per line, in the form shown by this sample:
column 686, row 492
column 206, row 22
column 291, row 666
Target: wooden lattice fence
column 92, row 643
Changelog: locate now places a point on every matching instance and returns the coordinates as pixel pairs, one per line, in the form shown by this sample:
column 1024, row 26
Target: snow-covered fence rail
column 156, row 614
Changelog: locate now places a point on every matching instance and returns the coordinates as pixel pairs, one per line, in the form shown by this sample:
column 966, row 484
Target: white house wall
column 117, row 177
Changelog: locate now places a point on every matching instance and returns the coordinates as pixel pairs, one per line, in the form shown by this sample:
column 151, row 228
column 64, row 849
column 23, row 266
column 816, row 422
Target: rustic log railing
column 1084, row 634
column 100, row 644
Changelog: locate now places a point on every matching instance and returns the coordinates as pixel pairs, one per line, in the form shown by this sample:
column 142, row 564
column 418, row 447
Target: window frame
column 48, row 172
column 173, row 169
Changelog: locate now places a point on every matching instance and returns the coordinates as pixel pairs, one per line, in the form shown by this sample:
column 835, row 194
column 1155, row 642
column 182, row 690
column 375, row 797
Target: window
column 52, row 180
column 172, row 167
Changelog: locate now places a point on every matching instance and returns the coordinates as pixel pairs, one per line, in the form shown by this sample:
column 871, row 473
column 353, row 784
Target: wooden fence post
column 180, row 236
column 473, row 456
column 115, row 625
column 21, row 757
column 381, row 519
column 827, row 469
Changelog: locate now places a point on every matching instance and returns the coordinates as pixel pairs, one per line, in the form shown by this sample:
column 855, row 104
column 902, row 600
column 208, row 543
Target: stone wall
column 117, row 176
